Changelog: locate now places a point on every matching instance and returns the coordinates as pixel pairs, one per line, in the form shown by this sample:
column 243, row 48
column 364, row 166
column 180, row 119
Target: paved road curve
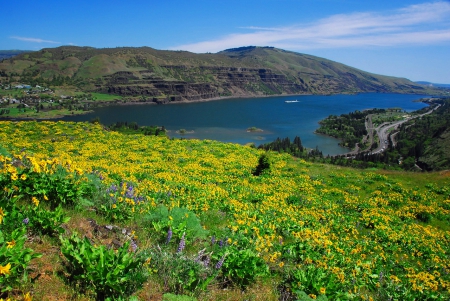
column 382, row 131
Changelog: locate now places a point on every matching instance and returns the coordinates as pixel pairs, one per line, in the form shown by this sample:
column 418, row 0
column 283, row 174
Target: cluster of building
column 30, row 94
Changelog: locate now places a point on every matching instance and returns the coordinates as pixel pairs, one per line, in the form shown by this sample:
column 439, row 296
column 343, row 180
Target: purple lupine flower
column 169, row 236
column 138, row 199
column 26, row 221
column 134, row 245
column 199, row 256
column 182, row 244
column 207, row 260
column 112, row 188
column 220, row 262
column 130, row 192
column 221, row 243
column 213, row 239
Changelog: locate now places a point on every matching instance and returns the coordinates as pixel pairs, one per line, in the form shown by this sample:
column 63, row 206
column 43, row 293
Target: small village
column 26, row 101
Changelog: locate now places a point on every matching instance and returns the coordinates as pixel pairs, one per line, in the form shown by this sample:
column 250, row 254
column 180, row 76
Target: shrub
column 263, row 165
column 14, row 257
column 178, row 220
column 242, row 267
column 110, row 273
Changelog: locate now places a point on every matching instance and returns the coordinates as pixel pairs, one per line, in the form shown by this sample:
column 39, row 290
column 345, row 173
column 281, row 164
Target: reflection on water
column 227, row 120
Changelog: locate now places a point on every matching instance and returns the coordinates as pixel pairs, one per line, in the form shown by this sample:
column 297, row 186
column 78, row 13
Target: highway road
column 382, row 131
column 385, row 128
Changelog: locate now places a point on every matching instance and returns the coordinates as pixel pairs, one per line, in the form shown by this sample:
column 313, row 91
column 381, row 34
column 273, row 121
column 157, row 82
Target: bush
column 14, row 257
column 181, row 273
column 242, row 267
column 263, row 165
column 110, row 273
column 178, row 220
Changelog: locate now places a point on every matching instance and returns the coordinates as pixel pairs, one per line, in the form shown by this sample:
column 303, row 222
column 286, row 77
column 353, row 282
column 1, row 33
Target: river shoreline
column 99, row 104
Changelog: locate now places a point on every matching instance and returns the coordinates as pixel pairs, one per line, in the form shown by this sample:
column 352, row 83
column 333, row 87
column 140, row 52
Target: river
column 227, row 120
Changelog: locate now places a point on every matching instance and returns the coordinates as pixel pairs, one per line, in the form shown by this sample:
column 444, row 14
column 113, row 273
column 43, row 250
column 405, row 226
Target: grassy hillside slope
column 190, row 217
column 181, row 75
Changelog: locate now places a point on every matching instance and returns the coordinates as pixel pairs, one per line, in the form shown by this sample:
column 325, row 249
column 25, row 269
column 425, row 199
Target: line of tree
column 349, row 128
column 133, row 128
column 294, row 148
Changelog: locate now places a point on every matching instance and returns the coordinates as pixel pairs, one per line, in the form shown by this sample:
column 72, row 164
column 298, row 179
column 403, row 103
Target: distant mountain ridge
column 164, row 76
column 6, row 54
column 433, row 84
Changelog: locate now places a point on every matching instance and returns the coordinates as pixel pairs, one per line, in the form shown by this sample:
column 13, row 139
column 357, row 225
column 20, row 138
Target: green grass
column 105, row 97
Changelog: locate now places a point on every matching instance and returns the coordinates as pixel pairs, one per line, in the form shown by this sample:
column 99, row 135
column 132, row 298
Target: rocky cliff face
column 199, row 83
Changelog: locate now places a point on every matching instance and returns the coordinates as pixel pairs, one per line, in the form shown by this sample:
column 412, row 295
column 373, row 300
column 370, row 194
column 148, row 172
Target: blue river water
column 227, row 120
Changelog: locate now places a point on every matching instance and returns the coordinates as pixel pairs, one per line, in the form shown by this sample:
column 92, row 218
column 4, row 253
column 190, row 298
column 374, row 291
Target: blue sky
column 400, row 38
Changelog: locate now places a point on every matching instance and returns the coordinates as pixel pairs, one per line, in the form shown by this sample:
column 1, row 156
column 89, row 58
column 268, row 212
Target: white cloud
column 34, row 40
column 425, row 23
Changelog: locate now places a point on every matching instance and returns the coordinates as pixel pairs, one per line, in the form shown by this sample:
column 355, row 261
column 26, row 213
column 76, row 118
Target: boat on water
column 291, row 101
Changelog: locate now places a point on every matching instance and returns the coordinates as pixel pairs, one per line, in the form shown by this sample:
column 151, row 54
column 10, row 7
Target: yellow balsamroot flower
column 35, row 201
column 4, row 270
column 23, row 177
column 2, row 214
column 14, row 177
column 27, row 297
column 11, row 244
column 322, row 290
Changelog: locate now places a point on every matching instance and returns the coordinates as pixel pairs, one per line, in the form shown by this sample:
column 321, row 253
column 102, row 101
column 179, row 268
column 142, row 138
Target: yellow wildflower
column 5, row 269
column 27, row 297
column 2, row 214
column 23, row 177
column 322, row 290
column 11, row 244
column 35, row 201
column 14, row 177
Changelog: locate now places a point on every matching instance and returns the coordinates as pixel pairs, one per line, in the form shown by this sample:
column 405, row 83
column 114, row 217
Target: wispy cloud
column 425, row 23
column 34, row 40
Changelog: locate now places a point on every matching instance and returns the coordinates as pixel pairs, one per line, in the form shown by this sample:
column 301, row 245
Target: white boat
column 291, row 101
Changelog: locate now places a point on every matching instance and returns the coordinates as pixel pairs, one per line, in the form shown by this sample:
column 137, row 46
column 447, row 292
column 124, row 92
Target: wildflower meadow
column 129, row 217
